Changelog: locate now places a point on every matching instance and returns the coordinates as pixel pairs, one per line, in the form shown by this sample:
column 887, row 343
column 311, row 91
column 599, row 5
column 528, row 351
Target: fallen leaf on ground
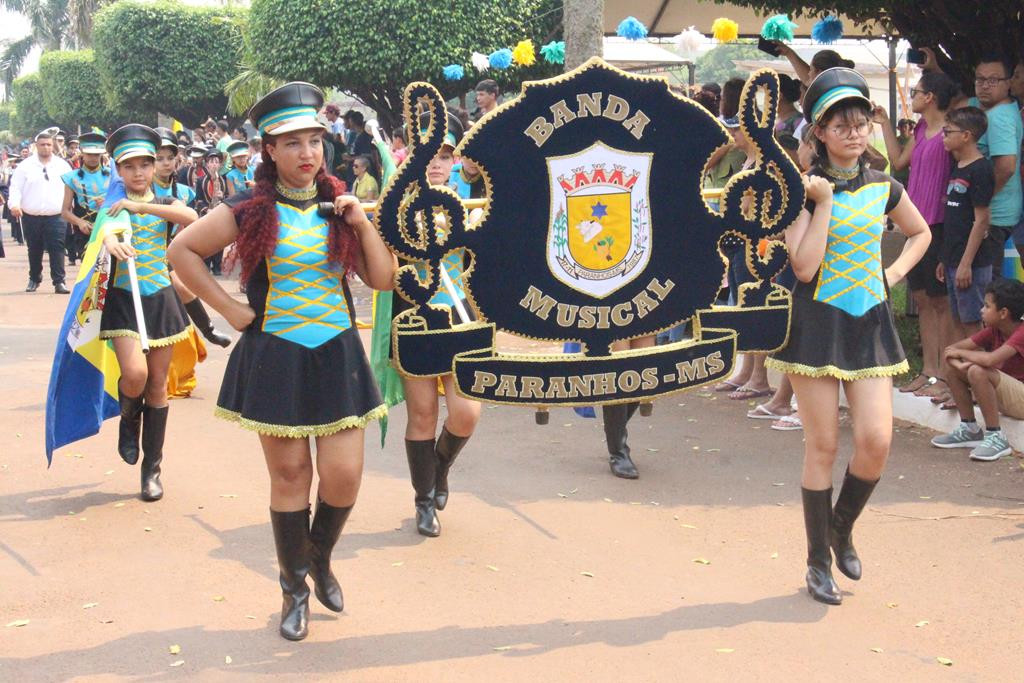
column 148, row 528
column 688, row 526
column 218, row 598
column 652, row 450
column 567, row 424
column 397, row 564
column 714, row 450
column 573, row 491
column 701, row 560
column 106, row 621
column 562, row 495
column 775, row 556
column 878, row 650
column 607, row 500
column 891, row 605
column 178, row 662
column 18, row 623
column 944, row 661
column 229, row 495
column 174, row 649
column 691, row 419
column 119, row 505
column 109, row 472
column 227, row 659
column 724, row 650
column 249, row 616
column 696, row 448
column 493, row 568
column 502, row 648
column 921, row 623
column 925, row 497
column 587, row 574
column 778, row 483
column 90, row 605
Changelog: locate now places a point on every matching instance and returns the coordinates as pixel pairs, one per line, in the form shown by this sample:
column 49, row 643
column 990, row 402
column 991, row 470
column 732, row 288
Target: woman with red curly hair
column 299, row 370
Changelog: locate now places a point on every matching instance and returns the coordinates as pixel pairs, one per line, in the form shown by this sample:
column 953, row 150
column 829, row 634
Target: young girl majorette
column 142, row 389
column 430, row 457
column 299, row 369
column 165, row 185
column 842, row 329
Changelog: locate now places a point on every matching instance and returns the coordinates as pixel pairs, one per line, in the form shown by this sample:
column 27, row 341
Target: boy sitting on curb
column 988, row 367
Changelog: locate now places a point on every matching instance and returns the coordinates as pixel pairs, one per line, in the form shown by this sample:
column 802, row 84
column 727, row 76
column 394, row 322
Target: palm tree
column 53, row 24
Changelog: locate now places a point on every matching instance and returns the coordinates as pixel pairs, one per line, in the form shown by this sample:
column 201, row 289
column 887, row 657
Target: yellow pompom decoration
column 523, row 53
column 725, row 30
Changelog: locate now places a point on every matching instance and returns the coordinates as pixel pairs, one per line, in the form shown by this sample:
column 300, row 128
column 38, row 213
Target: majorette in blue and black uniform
column 842, row 326
column 430, row 460
column 299, row 369
column 88, row 187
column 169, row 187
column 164, row 316
column 240, row 177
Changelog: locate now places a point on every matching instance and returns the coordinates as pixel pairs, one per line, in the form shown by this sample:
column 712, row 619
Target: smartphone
column 769, row 46
column 915, row 56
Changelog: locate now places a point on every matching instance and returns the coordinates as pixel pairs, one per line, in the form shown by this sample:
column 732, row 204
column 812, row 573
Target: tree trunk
column 583, row 23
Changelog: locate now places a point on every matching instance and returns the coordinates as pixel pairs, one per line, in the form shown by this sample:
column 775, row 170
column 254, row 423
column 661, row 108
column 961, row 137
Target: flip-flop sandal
column 726, row 386
column 762, row 413
column 789, row 423
column 935, row 387
column 941, row 398
column 913, row 385
column 745, row 393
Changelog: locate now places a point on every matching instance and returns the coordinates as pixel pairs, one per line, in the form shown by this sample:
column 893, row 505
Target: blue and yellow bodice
column 89, row 187
column 185, row 193
column 305, row 300
column 149, row 239
column 851, row 275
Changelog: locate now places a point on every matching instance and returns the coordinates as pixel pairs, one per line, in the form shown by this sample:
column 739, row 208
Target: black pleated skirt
column 164, row 314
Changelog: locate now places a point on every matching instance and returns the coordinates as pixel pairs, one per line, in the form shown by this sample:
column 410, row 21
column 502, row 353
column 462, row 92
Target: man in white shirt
column 36, row 198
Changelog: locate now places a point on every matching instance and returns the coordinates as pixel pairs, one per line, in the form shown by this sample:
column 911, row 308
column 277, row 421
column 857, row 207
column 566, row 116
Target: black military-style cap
column 238, row 148
column 293, row 106
column 91, row 143
column 167, row 137
column 132, row 140
column 831, row 87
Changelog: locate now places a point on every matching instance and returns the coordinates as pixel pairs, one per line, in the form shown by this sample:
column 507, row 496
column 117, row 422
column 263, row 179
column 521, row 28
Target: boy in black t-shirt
column 963, row 265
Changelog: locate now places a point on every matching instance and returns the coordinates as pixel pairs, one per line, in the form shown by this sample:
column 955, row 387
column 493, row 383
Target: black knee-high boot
column 615, row 434
column 323, row 535
column 201, row 319
column 423, row 472
column 128, row 430
column 852, row 499
column 818, row 523
column 447, row 449
column 154, row 427
column 291, row 538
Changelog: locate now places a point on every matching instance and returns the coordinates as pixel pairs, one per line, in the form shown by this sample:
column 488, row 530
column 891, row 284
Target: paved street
column 548, row 568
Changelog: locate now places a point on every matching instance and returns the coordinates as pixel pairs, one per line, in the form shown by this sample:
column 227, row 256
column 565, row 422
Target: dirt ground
column 548, row 568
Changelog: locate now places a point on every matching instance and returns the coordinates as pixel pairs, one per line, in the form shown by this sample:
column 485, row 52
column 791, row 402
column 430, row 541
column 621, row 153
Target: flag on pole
column 83, row 380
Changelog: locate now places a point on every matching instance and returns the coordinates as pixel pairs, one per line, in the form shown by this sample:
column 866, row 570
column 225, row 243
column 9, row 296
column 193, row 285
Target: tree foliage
column 374, row 48
column 966, row 31
column 71, row 91
column 716, row 65
column 30, row 115
column 169, row 58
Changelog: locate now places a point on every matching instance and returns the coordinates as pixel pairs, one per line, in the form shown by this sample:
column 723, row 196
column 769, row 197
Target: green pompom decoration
column 778, row 28
column 554, row 52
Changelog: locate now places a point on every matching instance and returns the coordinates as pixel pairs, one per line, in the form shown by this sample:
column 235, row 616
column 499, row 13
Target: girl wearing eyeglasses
column 842, row 330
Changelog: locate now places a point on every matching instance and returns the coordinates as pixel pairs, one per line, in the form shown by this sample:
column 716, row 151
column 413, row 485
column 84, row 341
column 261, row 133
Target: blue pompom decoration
column 828, row 30
column 631, row 28
column 454, row 72
column 500, row 59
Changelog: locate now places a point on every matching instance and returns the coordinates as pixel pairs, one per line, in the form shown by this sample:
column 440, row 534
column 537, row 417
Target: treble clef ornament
column 764, row 200
column 419, row 222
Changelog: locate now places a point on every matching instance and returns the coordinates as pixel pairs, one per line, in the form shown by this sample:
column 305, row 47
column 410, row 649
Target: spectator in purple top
column 929, row 164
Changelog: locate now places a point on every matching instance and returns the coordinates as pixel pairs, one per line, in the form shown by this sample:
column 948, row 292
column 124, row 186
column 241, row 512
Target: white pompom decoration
column 480, row 61
column 689, row 41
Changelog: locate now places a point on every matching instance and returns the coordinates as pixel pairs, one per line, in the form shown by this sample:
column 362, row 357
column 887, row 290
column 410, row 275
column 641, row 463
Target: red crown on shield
column 598, row 175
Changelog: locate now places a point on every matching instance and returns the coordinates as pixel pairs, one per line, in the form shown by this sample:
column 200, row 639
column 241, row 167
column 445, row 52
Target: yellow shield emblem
column 599, row 229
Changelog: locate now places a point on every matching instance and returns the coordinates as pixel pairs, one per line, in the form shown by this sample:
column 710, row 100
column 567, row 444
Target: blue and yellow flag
column 83, row 381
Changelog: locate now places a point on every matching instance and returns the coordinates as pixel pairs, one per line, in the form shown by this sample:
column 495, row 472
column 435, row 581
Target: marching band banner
column 594, row 230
